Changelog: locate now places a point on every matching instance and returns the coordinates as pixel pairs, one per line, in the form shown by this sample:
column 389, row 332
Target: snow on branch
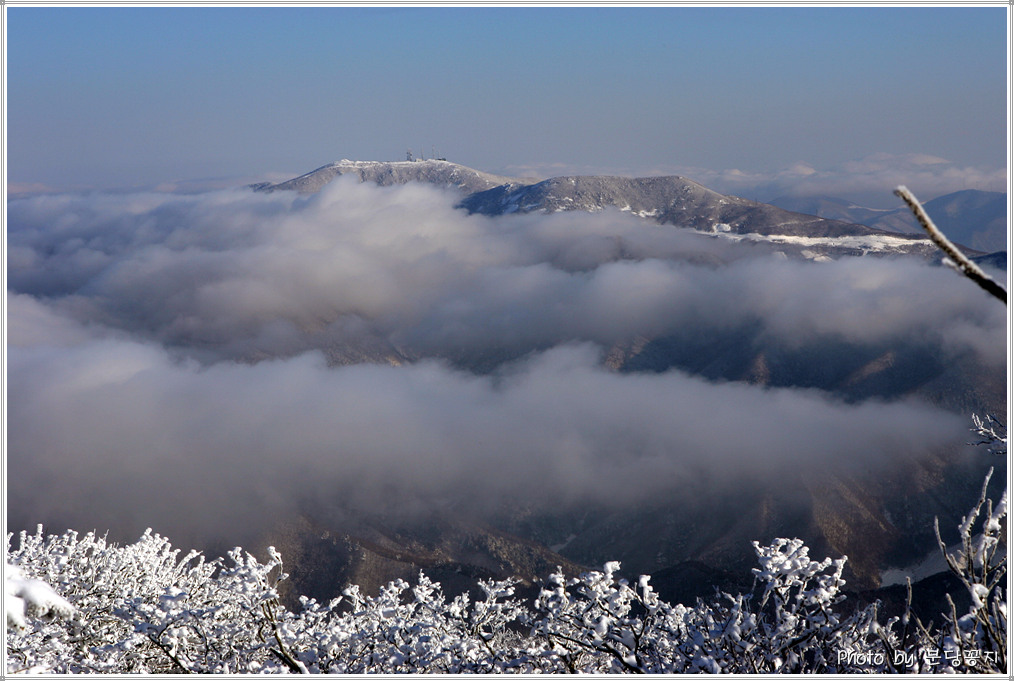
column 24, row 597
column 958, row 259
column 142, row 608
column 992, row 433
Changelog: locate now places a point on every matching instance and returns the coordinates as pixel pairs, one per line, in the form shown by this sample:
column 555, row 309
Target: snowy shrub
column 25, row 598
column 79, row 604
column 597, row 623
column 413, row 629
column 977, row 639
column 143, row 608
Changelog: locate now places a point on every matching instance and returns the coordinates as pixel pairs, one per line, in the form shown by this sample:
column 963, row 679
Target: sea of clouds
column 208, row 363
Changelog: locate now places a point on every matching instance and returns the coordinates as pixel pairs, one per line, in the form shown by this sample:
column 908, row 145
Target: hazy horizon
column 757, row 102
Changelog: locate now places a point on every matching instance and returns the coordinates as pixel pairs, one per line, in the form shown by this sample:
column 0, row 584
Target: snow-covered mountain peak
column 433, row 171
column 670, row 199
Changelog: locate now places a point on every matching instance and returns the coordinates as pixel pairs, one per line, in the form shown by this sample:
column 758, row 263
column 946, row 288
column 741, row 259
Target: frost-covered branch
column 143, row 608
column 958, row 259
column 27, row 598
column 981, row 566
column 992, row 433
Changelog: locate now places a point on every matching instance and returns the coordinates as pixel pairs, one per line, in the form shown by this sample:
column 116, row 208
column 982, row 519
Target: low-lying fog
column 205, row 363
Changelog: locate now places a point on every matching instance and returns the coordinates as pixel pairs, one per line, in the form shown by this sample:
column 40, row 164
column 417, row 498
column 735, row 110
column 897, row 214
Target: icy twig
column 961, row 262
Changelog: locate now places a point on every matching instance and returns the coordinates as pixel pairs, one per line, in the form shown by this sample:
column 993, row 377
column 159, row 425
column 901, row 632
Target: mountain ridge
column 670, row 200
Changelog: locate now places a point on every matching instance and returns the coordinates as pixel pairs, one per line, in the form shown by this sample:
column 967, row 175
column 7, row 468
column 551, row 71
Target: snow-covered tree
column 144, row 608
column 24, row 598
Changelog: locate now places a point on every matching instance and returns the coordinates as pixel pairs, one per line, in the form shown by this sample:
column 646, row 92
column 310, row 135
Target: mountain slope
column 974, row 218
column 324, row 555
column 833, row 208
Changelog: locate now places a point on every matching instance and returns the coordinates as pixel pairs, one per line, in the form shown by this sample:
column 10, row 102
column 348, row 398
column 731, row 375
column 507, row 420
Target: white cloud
column 117, row 434
column 167, row 355
column 239, row 275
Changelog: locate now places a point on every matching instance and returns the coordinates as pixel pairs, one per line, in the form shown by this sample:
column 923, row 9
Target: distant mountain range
column 970, row 217
column 667, row 200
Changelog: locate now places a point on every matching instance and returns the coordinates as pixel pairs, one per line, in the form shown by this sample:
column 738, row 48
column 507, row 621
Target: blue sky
column 116, row 97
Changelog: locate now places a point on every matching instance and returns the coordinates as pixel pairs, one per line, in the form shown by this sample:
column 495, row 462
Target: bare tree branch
column 961, row 261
